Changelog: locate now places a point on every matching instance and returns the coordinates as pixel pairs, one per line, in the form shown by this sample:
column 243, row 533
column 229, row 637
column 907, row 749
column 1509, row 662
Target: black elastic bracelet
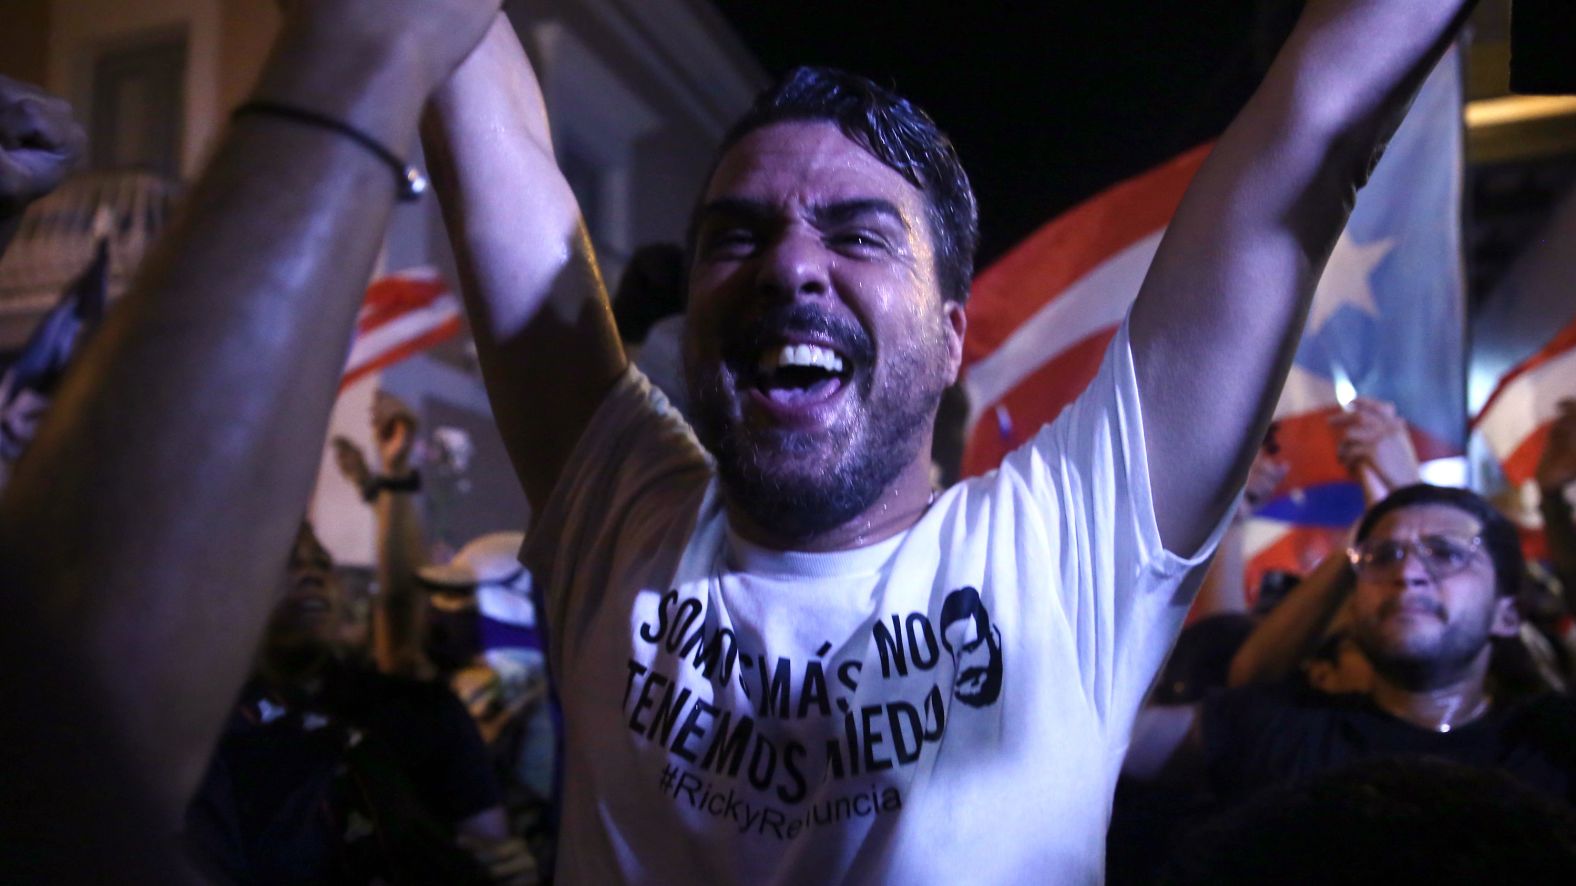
column 409, row 183
column 411, row 482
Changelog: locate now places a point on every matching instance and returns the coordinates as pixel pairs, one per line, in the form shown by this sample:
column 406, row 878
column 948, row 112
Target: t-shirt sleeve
column 637, row 471
column 1121, row 594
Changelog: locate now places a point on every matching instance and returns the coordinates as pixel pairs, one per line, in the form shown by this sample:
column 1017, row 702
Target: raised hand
column 40, row 141
column 1376, row 448
column 347, row 58
column 394, row 426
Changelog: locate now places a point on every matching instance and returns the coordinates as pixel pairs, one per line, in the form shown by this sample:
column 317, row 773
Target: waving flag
column 1041, row 316
column 28, row 383
column 404, row 313
column 1386, row 321
column 1520, row 372
column 1515, row 420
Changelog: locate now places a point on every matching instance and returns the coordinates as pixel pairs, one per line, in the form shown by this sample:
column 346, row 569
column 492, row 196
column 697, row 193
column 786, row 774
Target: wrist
column 378, row 89
column 408, row 481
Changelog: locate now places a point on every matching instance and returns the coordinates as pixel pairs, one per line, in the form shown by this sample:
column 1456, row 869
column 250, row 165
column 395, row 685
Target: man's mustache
column 1427, row 605
column 746, row 340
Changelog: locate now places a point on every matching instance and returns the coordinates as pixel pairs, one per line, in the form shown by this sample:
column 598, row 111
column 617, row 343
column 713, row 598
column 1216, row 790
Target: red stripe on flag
column 1522, row 462
column 1067, row 248
column 1562, row 342
column 437, row 334
column 1036, row 401
column 390, row 297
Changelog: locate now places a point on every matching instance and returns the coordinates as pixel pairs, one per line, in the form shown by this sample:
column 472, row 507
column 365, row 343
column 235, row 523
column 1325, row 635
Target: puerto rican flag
column 403, row 314
column 1514, row 426
column 1387, row 321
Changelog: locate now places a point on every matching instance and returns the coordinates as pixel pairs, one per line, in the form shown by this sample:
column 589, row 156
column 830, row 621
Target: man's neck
column 1438, row 708
column 895, row 510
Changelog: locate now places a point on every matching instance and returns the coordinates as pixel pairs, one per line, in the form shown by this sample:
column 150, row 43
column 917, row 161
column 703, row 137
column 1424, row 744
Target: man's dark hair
column 895, row 132
column 1500, row 538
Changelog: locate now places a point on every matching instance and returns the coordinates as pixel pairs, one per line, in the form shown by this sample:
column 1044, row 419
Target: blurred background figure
column 470, row 623
column 330, row 772
column 648, row 309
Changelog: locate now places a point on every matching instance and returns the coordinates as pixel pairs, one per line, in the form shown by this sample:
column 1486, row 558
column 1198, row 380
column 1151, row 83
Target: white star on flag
column 1345, row 280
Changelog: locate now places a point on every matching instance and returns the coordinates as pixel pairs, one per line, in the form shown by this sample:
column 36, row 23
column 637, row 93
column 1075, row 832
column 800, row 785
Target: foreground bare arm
column 144, row 534
column 1216, row 323
column 544, row 332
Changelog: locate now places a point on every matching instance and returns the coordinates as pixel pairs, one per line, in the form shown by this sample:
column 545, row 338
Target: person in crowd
column 140, row 536
column 1310, row 630
column 470, row 623
column 1435, row 572
column 332, row 773
column 746, row 613
column 399, row 610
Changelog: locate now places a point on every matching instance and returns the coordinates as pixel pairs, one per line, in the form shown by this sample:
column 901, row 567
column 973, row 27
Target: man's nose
column 1413, row 569
column 795, row 264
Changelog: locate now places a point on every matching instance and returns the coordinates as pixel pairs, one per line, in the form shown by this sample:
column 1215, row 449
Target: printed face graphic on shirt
column 975, row 645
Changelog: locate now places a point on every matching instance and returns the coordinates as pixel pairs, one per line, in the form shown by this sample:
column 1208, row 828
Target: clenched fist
column 39, row 143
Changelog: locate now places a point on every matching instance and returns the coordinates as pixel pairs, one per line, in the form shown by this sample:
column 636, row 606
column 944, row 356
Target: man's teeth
column 801, row 355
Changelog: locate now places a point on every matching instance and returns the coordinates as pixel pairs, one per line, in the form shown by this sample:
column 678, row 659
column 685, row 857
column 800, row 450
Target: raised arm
column 548, row 346
column 1216, row 323
column 1291, row 631
column 143, row 537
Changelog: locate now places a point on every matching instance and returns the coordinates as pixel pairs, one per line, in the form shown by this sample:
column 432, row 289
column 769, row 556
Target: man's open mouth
column 799, row 374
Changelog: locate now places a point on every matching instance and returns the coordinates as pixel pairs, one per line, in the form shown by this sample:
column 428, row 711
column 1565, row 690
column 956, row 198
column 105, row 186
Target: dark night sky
column 1047, row 102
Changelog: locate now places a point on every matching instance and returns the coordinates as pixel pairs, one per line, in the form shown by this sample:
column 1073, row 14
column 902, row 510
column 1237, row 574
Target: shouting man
column 762, row 675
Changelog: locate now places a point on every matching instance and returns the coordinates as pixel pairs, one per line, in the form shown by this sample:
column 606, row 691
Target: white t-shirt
column 949, row 705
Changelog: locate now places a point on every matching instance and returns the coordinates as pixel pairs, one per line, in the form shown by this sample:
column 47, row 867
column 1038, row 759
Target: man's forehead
column 809, row 162
column 1426, row 519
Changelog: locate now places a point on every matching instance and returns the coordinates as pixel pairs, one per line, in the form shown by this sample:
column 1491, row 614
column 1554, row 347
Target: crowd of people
column 751, row 639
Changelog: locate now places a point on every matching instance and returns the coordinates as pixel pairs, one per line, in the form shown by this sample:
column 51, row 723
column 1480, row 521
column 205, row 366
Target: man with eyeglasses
column 1433, row 577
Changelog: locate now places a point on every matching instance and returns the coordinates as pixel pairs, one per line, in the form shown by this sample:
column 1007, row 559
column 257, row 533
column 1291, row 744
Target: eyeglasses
column 1441, row 555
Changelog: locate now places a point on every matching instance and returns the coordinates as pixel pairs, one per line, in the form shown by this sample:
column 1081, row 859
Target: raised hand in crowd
column 395, row 426
column 40, row 142
column 1375, row 448
column 140, row 536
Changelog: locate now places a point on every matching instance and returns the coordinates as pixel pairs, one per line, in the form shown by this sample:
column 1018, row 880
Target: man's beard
column 1446, row 660
column 779, row 477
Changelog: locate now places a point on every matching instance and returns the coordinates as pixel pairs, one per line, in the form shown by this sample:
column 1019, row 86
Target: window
column 137, row 102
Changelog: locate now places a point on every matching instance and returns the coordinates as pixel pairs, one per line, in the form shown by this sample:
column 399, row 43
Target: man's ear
column 1507, row 618
column 957, row 323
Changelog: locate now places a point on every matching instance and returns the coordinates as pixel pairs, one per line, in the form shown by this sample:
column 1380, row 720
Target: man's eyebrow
column 736, row 207
column 835, row 212
column 841, row 211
